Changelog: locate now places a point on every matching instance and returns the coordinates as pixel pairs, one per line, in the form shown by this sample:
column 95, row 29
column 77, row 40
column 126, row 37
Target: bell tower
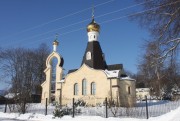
column 94, row 56
column 46, row 85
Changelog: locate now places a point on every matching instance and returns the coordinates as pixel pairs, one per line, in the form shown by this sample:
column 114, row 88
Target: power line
column 107, row 21
column 140, row 12
column 90, row 19
column 56, row 29
column 59, row 34
column 137, row 13
column 86, row 20
column 124, row 8
column 71, row 14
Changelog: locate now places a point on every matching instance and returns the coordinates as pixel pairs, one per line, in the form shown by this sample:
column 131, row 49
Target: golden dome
column 93, row 26
column 55, row 42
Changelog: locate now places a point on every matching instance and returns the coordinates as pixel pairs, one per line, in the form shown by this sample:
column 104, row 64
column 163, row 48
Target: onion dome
column 93, row 26
column 55, row 42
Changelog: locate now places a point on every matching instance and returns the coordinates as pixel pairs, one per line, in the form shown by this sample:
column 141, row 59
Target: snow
column 143, row 89
column 112, row 74
column 10, row 95
column 127, row 78
column 60, row 81
column 115, row 74
column 171, row 116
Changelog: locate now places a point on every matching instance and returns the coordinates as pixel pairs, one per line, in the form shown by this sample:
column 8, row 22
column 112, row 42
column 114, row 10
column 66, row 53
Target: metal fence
column 155, row 108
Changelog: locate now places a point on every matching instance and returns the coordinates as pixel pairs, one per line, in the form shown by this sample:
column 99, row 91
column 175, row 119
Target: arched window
column 53, row 62
column 91, row 37
column 103, row 56
column 93, row 88
column 84, row 87
column 75, row 89
column 88, row 55
column 129, row 90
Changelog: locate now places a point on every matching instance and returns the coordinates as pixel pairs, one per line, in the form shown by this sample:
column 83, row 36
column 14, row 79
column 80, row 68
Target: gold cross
column 93, row 11
column 56, row 36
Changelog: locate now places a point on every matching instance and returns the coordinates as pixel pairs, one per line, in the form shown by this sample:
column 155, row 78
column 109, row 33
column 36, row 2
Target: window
column 53, row 62
column 91, row 37
column 84, row 87
column 88, row 55
column 129, row 90
column 103, row 56
column 75, row 89
column 93, row 88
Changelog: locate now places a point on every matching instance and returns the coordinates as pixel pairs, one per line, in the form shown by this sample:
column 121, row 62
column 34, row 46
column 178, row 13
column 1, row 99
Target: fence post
column 46, row 107
column 147, row 115
column 73, row 108
column 24, row 106
column 106, row 108
column 5, row 106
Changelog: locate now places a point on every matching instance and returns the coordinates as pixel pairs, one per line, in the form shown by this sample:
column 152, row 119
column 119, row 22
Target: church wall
column 46, row 86
column 127, row 93
column 91, row 75
column 58, row 85
column 115, row 96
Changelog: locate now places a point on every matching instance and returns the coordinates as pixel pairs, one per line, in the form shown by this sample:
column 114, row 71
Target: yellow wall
column 127, row 99
column 91, row 75
column 46, row 85
column 118, row 91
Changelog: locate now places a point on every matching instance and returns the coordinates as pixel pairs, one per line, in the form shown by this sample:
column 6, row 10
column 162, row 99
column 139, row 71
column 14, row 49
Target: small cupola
column 93, row 29
column 55, row 44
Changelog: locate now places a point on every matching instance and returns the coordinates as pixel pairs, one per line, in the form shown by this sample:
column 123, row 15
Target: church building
column 93, row 81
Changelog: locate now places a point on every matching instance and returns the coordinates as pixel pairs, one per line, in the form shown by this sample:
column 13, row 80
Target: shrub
column 58, row 112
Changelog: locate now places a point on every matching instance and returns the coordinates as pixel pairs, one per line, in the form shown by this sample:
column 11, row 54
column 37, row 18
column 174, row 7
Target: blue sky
column 28, row 23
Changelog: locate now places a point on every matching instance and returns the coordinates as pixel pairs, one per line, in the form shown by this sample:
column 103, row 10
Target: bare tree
column 40, row 56
column 160, row 77
column 25, row 69
column 162, row 18
column 150, row 68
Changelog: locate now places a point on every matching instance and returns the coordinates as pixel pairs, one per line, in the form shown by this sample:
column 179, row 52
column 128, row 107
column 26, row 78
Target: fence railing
column 155, row 108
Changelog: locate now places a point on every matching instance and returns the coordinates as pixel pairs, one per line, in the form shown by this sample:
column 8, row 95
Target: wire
column 137, row 13
column 140, row 12
column 124, row 8
column 59, row 34
column 114, row 19
column 56, row 29
column 89, row 19
column 71, row 14
column 86, row 20
column 107, row 21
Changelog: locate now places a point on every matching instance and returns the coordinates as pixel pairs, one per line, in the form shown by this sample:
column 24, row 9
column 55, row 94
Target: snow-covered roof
column 60, row 81
column 112, row 73
column 10, row 95
column 142, row 89
column 115, row 74
column 127, row 78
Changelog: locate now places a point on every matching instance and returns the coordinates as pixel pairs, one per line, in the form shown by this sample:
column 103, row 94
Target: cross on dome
column 93, row 26
column 93, row 12
column 55, row 41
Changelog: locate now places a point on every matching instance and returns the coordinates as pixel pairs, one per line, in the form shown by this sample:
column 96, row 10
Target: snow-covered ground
column 158, row 111
column 171, row 116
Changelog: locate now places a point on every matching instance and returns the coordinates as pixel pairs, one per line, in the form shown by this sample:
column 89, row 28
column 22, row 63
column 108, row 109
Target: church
column 93, row 81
